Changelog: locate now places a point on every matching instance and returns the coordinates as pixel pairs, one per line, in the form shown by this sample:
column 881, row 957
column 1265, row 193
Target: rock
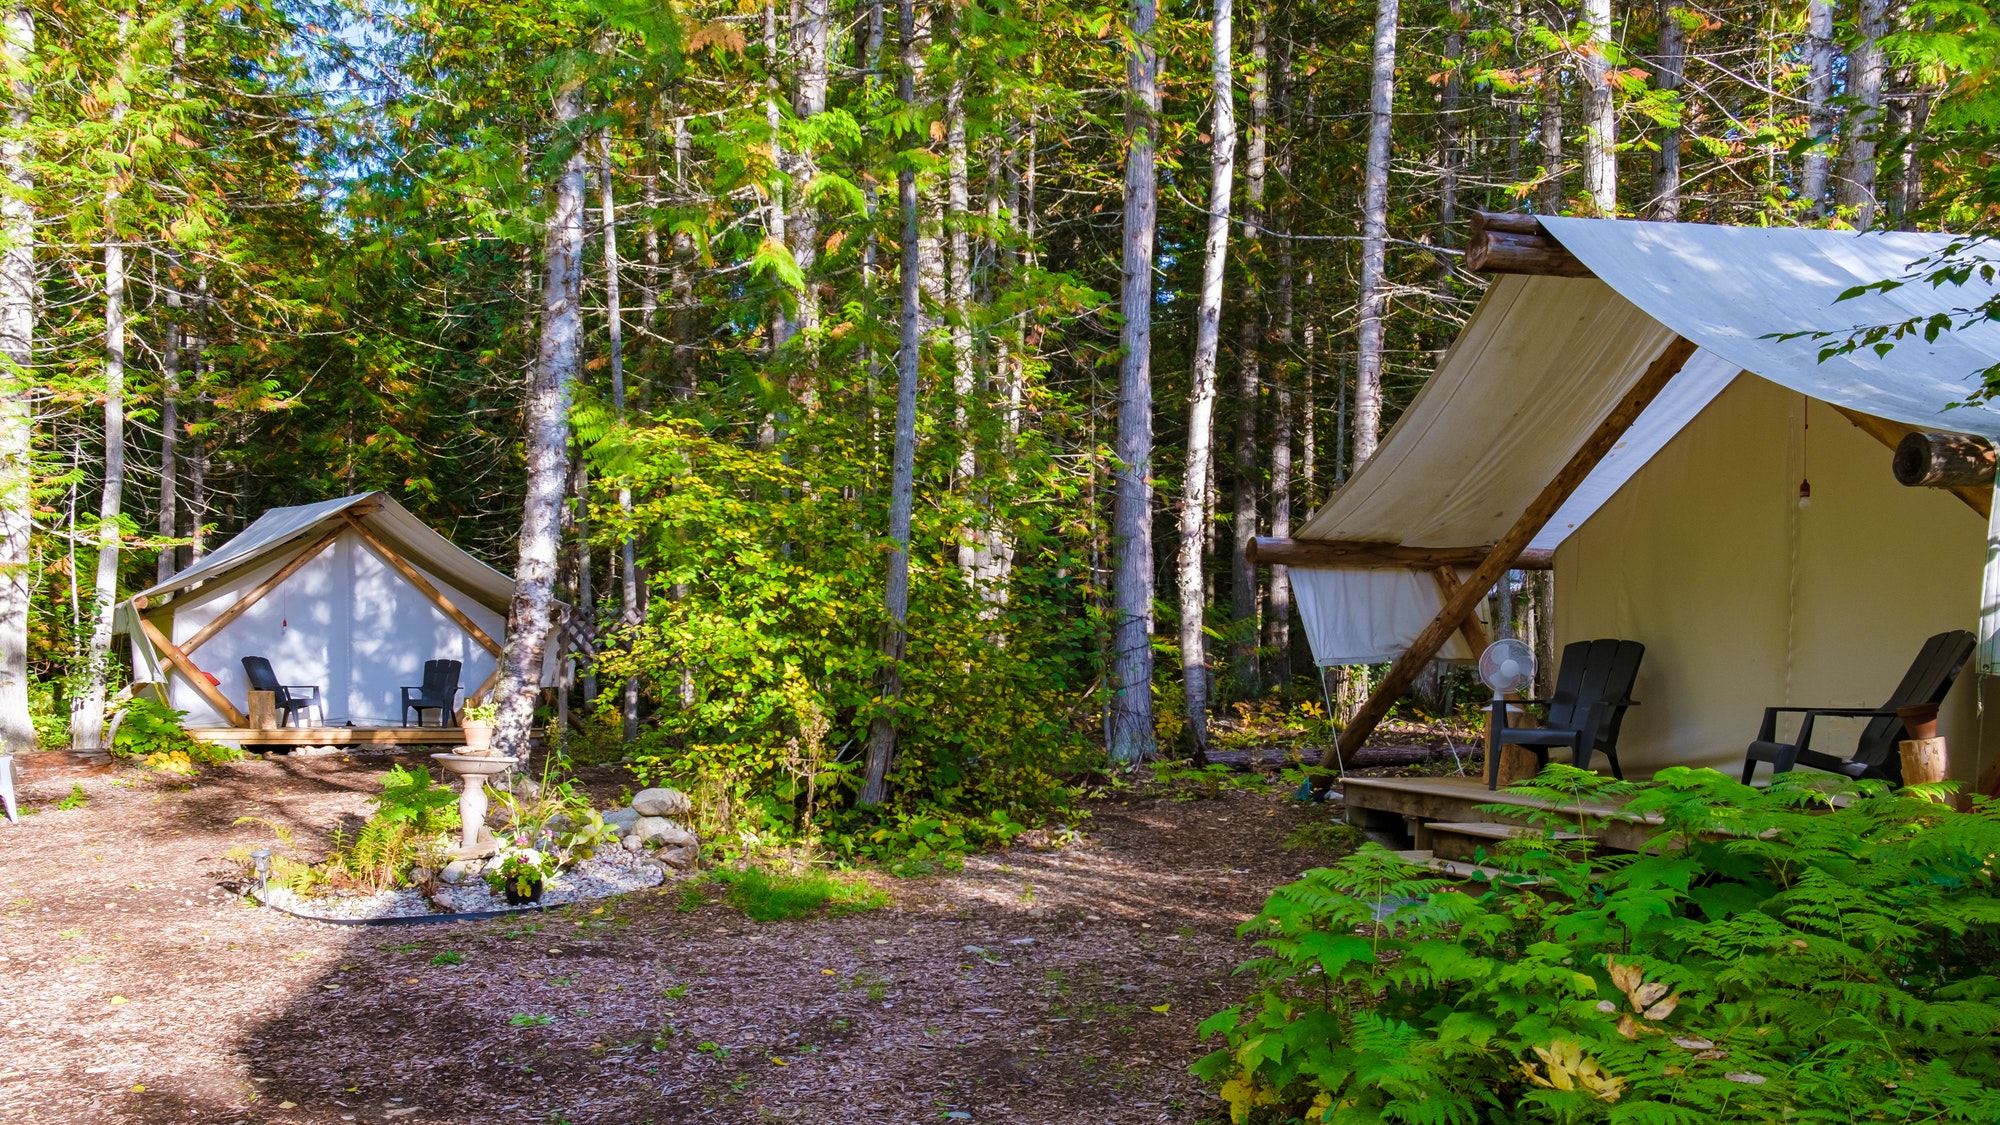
column 662, row 832
column 459, row 870
column 681, row 858
column 527, row 787
column 485, row 834
column 633, row 843
column 621, row 820
column 559, row 823
column 662, row 802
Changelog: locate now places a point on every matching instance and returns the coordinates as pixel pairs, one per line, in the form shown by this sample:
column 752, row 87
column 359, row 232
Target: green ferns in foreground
column 1781, row 958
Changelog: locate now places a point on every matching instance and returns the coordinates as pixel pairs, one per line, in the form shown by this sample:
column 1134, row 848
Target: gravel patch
column 613, row 873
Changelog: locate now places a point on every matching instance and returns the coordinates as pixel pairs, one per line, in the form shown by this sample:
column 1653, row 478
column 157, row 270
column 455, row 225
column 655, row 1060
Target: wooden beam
column 333, row 736
column 1931, row 460
column 1508, row 242
column 261, row 589
column 194, row 675
column 1475, row 633
column 423, row 585
column 486, row 685
column 1426, row 644
column 1892, row 434
column 1263, row 550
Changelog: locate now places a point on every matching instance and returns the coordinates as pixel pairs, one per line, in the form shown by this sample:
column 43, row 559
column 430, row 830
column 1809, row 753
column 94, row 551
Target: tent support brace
column 1475, row 633
column 423, row 585
column 194, row 675
column 1456, row 607
column 1891, row 434
column 257, row 593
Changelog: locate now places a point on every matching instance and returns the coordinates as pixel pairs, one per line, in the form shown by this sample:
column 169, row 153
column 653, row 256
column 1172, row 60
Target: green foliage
column 448, row 958
column 1812, row 952
column 77, row 798
column 525, row 1019
column 151, row 734
column 50, row 719
column 776, row 896
column 1326, row 835
column 412, row 798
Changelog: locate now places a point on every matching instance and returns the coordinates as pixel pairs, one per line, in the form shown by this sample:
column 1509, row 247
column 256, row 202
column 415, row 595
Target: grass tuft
column 768, row 896
column 1329, row 836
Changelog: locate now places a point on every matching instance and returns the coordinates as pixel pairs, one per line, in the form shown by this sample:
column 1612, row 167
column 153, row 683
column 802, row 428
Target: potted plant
column 520, row 873
column 477, row 722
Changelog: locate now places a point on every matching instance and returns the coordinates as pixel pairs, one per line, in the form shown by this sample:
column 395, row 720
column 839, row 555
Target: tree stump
column 1923, row 760
column 263, row 710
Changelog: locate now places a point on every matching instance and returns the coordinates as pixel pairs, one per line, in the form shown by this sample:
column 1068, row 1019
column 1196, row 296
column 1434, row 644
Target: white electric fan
column 1507, row 665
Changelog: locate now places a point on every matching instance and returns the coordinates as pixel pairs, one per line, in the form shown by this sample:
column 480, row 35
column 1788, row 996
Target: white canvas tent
column 352, row 595
column 1688, row 535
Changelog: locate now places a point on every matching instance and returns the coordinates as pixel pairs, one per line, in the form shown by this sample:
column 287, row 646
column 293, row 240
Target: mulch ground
column 1058, row 985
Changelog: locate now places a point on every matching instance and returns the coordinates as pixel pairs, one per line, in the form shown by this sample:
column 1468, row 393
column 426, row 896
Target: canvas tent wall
column 1543, row 359
column 346, row 618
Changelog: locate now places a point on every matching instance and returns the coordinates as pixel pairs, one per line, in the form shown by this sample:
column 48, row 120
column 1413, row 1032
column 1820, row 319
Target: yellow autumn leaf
column 827, row 972
column 139, row 1088
column 288, row 1105
column 1161, row 1007
column 116, row 1000
column 776, row 1061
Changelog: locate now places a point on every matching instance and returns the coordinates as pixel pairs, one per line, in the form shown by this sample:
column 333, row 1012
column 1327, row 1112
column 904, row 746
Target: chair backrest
column 258, row 671
column 440, row 678
column 1594, row 660
column 1929, row 679
column 1569, row 681
column 1618, row 690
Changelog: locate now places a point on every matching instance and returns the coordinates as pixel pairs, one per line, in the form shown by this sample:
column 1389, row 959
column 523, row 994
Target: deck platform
column 1419, row 801
column 332, row 736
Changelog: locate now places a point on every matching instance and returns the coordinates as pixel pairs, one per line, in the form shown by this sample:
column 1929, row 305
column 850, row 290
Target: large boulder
column 662, row 802
column 660, row 831
column 621, row 820
column 680, row 858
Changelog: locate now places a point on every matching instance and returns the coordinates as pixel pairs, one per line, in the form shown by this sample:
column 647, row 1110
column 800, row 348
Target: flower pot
column 478, row 736
column 512, row 892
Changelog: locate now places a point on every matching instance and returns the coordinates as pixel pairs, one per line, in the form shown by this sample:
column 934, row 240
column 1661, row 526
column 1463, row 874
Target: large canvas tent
column 1687, row 533
column 352, row 595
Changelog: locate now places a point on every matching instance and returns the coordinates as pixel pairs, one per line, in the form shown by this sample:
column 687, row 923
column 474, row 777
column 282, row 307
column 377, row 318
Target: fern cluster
column 413, row 815
column 1819, row 951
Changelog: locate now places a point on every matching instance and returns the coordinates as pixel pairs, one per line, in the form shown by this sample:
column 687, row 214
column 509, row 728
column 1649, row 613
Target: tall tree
column 1244, row 593
column 1669, row 64
column 1600, row 111
column 1131, row 729
column 1819, row 102
column 614, row 314
column 1195, row 497
column 19, row 290
column 558, row 357
column 1865, row 65
column 1375, row 237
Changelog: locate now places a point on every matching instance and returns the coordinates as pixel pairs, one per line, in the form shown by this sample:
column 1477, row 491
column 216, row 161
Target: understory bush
column 1818, row 951
column 150, row 733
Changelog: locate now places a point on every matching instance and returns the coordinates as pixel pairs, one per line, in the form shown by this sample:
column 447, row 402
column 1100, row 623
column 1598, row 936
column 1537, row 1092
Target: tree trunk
column 682, row 275
column 1819, row 93
column 1201, row 399
column 1278, row 623
column 1552, row 143
column 1244, row 595
column 547, row 409
column 86, row 729
column 1375, row 239
column 1864, row 84
column 18, row 291
column 649, row 278
column 809, row 45
column 776, row 228
column 1669, row 66
column 167, row 521
column 902, row 486
column 958, row 283
column 628, row 572
column 1600, row 112
column 1131, row 735
column 1449, row 154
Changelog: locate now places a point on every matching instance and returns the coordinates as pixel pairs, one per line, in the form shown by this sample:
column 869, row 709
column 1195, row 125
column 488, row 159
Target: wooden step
column 1461, row 840
column 1461, row 869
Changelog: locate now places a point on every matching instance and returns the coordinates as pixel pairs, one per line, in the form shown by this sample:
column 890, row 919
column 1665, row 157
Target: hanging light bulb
column 1805, row 441
column 1805, row 494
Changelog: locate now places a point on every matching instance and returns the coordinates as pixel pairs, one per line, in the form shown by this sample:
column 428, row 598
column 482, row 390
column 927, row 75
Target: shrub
column 771, row 896
column 151, row 734
column 1778, row 955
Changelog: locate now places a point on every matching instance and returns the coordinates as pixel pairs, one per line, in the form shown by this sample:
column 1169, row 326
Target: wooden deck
column 1419, row 801
column 332, row 736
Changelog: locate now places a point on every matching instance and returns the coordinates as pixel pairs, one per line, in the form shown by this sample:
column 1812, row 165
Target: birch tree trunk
column 1552, row 142
column 809, row 46
column 167, row 521
column 902, row 472
column 557, row 359
column 18, row 289
column 1600, row 112
column 628, row 572
column 1244, row 594
column 1669, row 66
column 1864, row 84
column 1195, row 496
column 1131, row 728
column 958, row 285
column 1819, row 95
column 1278, row 622
column 1369, row 341
column 86, row 723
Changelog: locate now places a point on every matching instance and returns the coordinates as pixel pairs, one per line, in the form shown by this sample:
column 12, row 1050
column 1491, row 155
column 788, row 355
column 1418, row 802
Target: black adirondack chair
column 1875, row 756
column 291, row 697
column 1593, row 689
column 438, row 693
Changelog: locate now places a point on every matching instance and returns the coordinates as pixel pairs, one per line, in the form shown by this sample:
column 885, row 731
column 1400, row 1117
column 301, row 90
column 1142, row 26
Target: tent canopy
column 1544, row 359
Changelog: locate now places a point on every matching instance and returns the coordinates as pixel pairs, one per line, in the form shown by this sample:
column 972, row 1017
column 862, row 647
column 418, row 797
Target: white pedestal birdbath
column 473, row 770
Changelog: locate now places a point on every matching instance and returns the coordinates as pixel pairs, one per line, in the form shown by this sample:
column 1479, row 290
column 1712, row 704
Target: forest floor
column 1060, row 984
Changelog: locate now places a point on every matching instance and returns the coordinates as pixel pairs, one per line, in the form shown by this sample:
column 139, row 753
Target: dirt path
column 1026, row 988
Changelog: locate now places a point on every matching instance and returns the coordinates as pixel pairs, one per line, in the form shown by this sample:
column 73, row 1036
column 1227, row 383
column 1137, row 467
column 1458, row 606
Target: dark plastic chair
column 1585, row 712
column 438, row 693
column 258, row 671
column 1875, row 754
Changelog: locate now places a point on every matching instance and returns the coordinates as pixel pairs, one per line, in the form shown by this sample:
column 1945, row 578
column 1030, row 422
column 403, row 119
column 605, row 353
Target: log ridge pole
column 1404, row 672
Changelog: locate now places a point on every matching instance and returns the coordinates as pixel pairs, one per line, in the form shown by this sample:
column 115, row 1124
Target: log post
column 1508, row 242
column 1931, row 460
column 1426, row 644
column 263, row 710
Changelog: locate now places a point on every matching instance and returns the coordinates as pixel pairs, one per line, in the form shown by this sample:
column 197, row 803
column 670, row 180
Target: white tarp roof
column 410, row 536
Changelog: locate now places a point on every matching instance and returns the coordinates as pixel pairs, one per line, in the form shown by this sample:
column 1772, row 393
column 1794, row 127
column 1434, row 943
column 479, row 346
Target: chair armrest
column 314, row 688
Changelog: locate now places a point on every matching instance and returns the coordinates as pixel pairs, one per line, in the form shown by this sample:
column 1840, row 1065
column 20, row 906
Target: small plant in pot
column 520, row 873
column 477, row 722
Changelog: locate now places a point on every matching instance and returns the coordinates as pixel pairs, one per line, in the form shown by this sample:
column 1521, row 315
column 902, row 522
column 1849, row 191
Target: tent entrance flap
column 1370, row 616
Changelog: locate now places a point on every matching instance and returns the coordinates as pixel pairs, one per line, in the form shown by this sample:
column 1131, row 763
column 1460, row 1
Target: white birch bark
column 1196, row 485
column 1375, row 238
column 1130, row 736
column 614, row 313
column 1245, row 595
column 809, row 37
column 1600, row 111
column 18, row 292
column 557, row 359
